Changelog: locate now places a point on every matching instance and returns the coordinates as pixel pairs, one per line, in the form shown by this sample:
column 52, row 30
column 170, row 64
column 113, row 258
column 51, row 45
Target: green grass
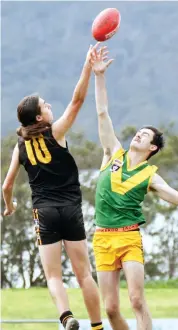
column 35, row 303
column 161, row 284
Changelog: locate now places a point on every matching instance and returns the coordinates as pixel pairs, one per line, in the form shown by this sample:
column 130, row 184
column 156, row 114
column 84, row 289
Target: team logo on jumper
column 116, row 165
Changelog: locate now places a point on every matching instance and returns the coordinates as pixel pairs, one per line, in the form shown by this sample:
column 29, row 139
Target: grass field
column 36, row 303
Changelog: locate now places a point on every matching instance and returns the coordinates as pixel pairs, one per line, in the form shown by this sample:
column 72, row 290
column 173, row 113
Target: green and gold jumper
column 120, row 192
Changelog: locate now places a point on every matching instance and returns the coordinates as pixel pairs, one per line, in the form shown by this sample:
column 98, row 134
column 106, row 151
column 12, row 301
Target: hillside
column 44, row 46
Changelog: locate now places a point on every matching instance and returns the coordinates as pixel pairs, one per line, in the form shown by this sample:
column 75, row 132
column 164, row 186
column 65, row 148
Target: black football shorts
column 53, row 224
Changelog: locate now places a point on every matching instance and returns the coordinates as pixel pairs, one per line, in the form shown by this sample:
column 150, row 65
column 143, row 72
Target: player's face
column 142, row 140
column 46, row 113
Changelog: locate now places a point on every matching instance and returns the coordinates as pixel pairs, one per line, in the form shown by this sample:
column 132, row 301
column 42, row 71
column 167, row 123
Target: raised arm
column 7, row 188
column 64, row 123
column 163, row 190
column 107, row 135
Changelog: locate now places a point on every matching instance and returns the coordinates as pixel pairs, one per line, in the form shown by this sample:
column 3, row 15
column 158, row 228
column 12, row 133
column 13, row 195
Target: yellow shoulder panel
column 117, row 155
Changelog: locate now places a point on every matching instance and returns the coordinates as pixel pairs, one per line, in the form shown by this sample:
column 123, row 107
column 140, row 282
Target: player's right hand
column 91, row 50
column 10, row 209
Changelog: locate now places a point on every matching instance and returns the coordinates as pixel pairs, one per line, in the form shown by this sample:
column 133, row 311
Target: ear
column 39, row 118
column 153, row 147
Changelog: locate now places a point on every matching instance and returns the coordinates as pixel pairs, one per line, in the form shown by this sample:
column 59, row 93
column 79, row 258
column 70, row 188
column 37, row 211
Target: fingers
column 95, row 46
column 94, row 53
column 102, row 50
column 93, row 49
column 109, row 62
column 100, row 54
column 105, row 53
column 10, row 211
column 104, row 58
column 93, row 57
column 7, row 213
column 99, row 57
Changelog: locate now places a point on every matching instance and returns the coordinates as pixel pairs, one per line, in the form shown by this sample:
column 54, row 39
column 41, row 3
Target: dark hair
column 27, row 110
column 158, row 140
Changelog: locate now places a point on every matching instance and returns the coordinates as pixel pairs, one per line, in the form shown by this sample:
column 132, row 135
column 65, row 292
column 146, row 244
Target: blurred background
column 44, row 45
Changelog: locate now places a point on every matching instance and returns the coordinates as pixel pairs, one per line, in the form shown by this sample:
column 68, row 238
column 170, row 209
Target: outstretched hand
column 92, row 49
column 99, row 60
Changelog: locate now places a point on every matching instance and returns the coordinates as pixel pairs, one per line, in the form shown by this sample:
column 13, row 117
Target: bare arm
column 163, row 190
column 9, row 182
column 107, row 135
column 64, row 123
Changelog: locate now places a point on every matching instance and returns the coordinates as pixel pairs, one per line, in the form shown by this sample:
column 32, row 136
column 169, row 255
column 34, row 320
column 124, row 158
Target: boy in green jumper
column 124, row 180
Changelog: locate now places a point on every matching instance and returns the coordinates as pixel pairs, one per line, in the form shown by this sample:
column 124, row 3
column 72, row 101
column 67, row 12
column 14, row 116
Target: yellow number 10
column 37, row 144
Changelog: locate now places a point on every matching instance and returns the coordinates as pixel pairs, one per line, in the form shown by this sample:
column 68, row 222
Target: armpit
column 107, row 152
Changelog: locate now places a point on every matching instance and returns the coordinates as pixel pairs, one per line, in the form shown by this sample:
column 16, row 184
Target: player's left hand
column 98, row 60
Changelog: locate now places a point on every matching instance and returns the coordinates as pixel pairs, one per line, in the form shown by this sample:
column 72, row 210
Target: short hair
column 158, row 140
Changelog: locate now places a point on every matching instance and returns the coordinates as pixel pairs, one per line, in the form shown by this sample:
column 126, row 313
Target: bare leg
column 51, row 260
column 78, row 254
column 108, row 282
column 134, row 272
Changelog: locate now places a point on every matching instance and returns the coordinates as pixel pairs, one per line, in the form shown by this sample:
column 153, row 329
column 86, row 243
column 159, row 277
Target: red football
column 106, row 24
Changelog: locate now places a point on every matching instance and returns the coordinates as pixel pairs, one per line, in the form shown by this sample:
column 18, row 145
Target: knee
column 112, row 310
column 54, row 282
column 136, row 301
column 55, row 285
column 53, row 274
column 83, row 278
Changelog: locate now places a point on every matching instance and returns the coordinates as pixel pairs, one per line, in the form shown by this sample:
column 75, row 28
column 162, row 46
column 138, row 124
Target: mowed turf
column 36, row 303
